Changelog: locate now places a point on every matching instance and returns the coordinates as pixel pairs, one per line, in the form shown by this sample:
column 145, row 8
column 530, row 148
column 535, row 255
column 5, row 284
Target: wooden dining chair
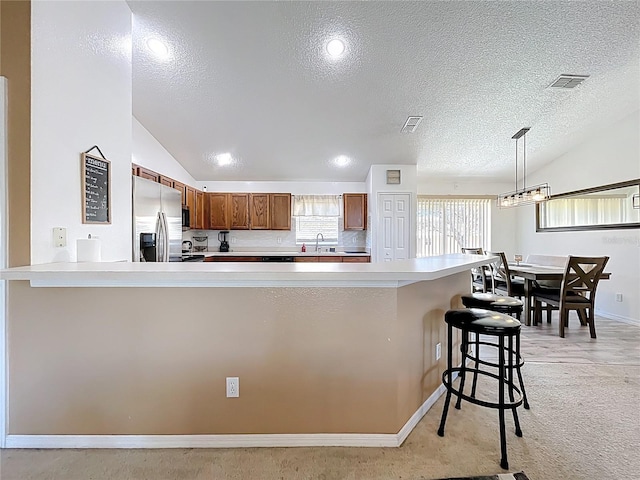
column 480, row 276
column 577, row 292
column 503, row 281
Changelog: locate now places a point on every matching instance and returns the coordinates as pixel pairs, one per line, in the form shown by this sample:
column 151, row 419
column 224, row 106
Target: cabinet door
column 166, row 181
column 181, row 187
column 356, row 259
column 240, row 211
column 280, row 211
column 331, row 259
column 191, row 203
column 219, row 218
column 199, row 215
column 259, row 211
column 305, row 259
column 355, row 211
column 148, row 174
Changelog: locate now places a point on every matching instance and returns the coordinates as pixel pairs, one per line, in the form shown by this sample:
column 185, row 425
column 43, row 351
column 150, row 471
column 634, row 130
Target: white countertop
column 244, row 274
column 278, row 253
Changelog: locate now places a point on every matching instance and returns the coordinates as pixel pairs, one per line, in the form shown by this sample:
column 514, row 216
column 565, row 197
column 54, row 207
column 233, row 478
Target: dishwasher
column 276, row 258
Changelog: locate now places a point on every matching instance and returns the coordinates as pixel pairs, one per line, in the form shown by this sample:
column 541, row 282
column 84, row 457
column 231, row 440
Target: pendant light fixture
column 524, row 195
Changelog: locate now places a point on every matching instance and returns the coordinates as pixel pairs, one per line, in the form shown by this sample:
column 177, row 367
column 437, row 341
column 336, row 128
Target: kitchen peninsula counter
column 128, row 274
column 131, row 355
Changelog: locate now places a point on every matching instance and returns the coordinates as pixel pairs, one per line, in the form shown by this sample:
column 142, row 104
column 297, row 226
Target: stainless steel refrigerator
column 157, row 209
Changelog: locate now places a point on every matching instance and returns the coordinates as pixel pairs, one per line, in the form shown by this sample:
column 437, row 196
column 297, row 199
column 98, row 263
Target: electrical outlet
column 233, row 239
column 59, row 237
column 279, row 239
column 233, row 387
column 438, row 351
column 618, row 297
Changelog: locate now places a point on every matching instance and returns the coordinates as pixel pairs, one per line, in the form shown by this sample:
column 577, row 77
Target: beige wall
column 15, row 65
column 154, row 360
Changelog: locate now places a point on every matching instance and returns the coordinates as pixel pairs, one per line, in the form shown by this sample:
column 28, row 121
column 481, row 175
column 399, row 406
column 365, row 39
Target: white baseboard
column 619, row 318
column 228, row 441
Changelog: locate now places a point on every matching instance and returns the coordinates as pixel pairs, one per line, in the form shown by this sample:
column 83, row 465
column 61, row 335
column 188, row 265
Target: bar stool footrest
column 506, row 405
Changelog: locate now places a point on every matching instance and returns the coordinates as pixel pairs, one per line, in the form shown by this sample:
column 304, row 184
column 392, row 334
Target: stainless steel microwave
column 186, row 225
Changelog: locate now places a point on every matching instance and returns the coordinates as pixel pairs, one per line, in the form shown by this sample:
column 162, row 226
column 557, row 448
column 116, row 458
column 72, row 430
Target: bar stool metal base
column 501, row 326
column 499, row 303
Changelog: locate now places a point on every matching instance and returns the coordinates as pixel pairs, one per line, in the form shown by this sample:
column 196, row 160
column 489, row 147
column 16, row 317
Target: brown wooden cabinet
column 330, row 259
column 148, row 174
column 217, row 211
column 356, row 259
column 182, row 188
column 280, row 211
column 166, row 181
column 239, row 208
column 355, row 211
column 199, row 214
column 190, row 194
column 259, row 211
column 305, row 259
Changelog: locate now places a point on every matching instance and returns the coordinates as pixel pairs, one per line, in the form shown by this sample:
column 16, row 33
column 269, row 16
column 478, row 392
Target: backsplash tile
column 268, row 239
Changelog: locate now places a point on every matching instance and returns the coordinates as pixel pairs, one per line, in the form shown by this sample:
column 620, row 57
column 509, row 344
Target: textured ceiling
column 253, row 79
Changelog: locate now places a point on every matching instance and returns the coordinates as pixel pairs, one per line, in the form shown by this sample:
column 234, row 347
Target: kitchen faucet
column 319, row 235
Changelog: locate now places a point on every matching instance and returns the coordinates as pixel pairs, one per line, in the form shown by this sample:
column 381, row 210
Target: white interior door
column 395, row 226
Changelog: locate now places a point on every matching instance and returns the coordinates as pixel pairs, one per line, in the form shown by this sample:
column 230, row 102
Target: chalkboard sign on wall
column 96, row 185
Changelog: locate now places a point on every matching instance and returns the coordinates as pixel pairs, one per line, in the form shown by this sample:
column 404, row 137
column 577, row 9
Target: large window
column 446, row 225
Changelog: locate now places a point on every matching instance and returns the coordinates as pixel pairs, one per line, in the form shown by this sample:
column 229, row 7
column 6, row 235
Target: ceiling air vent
column 568, row 81
column 411, row 124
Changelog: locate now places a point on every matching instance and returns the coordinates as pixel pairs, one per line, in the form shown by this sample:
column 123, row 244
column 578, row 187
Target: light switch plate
column 59, row 237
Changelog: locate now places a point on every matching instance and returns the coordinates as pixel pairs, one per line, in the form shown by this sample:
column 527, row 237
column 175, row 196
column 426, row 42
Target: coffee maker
column 224, row 243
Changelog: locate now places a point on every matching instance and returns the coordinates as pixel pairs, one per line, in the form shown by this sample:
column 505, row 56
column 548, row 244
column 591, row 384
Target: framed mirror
column 614, row 206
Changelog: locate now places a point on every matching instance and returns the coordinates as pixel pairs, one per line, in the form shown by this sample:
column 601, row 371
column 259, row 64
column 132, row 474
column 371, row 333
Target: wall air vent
column 568, row 81
column 393, row 177
column 411, row 124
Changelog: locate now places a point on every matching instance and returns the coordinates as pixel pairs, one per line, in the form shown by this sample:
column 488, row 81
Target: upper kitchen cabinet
column 355, row 211
column 166, row 181
column 148, row 174
column 239, row 211
column 190, row 194
column 182, row 188
column 199, row 215
column 259, row 211
column 217, row 211
column 280, row 211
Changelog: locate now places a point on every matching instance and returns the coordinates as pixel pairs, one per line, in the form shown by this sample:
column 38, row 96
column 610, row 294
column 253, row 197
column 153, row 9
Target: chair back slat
column 478, row 274
column 500, row 270
column 581, row 276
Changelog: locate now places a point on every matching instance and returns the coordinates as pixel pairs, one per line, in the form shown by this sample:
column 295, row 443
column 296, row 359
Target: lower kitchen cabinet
column 356, row 259
column 334, row 259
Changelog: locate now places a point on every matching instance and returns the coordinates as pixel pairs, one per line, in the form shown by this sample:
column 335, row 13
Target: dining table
column 532, row 273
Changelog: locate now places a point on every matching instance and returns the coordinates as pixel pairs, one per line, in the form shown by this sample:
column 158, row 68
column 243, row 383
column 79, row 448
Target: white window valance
column 316, row 206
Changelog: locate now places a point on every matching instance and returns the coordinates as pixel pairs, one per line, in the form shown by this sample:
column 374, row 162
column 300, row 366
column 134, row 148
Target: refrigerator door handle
column 159, row 238
column 165, row 227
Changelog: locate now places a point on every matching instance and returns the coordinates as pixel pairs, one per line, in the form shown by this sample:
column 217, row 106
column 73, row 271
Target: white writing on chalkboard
column 96, row 189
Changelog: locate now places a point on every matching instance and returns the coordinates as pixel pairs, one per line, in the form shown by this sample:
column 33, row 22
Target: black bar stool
column 499, row 303
column 484, row 322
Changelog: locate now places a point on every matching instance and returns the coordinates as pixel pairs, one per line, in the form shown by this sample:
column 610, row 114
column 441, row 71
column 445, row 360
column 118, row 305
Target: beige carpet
column 584, row 424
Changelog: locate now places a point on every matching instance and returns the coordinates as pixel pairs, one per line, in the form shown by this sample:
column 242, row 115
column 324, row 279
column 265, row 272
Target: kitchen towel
column 88, row 249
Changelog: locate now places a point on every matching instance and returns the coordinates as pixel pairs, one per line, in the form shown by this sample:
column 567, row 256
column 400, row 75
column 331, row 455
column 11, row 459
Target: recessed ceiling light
column 335, row 47
column 158, row 48
column 224, row 159
column 342, row 161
